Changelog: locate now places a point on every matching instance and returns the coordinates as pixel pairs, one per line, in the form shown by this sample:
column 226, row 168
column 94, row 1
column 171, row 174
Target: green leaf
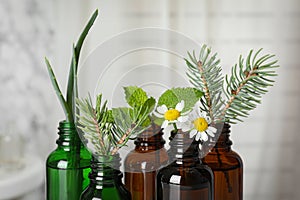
column 173, row 96
column 146, row 109
column 110, row 118
column 169, row 99
column 61, row 99
column 135, row 96
column 122, row 117
column 75, row 58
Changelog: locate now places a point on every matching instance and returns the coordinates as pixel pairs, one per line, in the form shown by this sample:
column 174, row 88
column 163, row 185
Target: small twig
column 121, row 141
column 95, row 121
column 206, row 90
column 237, row 91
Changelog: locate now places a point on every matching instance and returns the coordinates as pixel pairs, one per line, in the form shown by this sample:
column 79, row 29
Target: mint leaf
column 173, row 96
column 168, row 98
column 149, row 105
column 135, row 96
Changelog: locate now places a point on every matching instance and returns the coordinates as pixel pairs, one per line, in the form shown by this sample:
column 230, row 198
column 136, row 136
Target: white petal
column 183, row 118
column 158, row 115
column 193, row 133
column 200, row 146
column 211, row 134
column 162, row 109
column 198, row 136
column 213, row 129
column 194, row 115
column 185, row 126
column 203, row 136
column 197, row 105
column 180, row 106
column 167, row 130
column 165, row 124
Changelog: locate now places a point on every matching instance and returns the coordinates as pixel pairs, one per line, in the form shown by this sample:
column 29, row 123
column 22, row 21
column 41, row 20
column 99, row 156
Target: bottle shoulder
column 138, row 156
column 107, row 192
column 224, row 159
column 186, row 175
column 65, row 159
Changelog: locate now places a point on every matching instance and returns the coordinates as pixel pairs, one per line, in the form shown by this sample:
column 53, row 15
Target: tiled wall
column 267, row 141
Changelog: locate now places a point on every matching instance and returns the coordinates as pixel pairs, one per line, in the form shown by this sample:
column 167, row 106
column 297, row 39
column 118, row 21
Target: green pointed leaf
column 173, row 96
column 61, row 99
column 135, row 96
column 75, row 58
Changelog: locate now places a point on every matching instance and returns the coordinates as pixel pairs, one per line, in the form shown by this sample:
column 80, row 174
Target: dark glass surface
column 227, row 167
column 68, row 166
column 105, row 180
column 186, row 178
column 142, row 164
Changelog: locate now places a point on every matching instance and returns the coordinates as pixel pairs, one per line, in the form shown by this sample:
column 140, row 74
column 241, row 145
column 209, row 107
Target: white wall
column 267, row 141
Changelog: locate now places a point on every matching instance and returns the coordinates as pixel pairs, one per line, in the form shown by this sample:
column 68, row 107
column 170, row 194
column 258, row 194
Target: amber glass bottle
column 186, row 178
column 227, row 167
column 142, row 164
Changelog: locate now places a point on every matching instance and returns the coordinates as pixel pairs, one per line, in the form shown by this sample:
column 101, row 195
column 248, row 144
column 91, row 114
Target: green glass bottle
column 105, row 180
column 68, row 166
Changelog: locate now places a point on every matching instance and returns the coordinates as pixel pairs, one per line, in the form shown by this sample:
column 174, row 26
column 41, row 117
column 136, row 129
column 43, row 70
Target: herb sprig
column 68, row 102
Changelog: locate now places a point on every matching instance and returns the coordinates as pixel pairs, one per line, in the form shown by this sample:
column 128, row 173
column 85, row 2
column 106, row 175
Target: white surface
column 19, row 183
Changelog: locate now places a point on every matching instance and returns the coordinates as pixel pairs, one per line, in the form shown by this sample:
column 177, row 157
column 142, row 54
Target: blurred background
column 268, row 140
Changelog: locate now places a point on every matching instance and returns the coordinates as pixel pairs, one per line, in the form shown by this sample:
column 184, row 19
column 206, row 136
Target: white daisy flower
column 198, row 124
column 173, row 115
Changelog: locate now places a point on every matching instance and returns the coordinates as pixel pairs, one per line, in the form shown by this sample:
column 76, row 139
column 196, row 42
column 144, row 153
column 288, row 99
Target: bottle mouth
column 66, row 125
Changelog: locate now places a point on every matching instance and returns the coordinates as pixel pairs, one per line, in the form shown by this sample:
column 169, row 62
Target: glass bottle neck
column 105, row 171
column 150, row 139
column 184, row 150
column 224, row 143
column 68, row 136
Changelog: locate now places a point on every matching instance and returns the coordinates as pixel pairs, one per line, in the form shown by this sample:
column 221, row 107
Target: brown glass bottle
column 227, row 167
column 142, row 164
column 186, row 178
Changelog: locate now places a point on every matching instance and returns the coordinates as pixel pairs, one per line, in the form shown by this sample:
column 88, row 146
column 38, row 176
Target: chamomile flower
column 198, row 124
column 172, row 115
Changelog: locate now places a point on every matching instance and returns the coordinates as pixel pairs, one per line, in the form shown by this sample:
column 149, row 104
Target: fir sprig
column 205, row 74
column 247, row 83
column 95, row 124
column 109, row 130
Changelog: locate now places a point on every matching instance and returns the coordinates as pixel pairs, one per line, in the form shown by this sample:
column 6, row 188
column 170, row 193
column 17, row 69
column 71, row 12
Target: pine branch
column 121, row 141
column 246, row 85
column 205, row 74
column 94, row 123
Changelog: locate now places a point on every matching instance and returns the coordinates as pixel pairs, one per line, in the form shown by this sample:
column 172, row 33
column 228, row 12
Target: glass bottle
column 186, row 178
column 105, row 180
column 142, row 163
column 68, row 166
column 227, row 167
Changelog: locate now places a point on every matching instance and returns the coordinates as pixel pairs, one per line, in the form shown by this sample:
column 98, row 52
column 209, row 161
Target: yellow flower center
column 200, row 124
column 172, row 114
